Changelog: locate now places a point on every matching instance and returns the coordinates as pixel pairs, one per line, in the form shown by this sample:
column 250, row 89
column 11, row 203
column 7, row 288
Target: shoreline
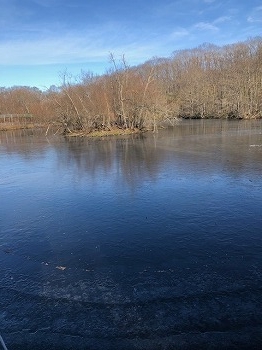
column 7, row 127
column 105, row 133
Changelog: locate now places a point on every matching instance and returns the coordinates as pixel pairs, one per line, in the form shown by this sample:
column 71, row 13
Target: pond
column 149, row 241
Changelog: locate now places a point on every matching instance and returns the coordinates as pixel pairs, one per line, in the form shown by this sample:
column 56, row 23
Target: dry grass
column 94, row 133
column 102, row 133
column 8, row 126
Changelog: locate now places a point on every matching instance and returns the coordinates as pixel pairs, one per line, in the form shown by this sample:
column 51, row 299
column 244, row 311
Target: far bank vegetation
column 205, row 82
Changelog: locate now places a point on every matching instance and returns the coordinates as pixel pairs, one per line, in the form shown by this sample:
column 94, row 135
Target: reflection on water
column 235, row 145
column 141, row 242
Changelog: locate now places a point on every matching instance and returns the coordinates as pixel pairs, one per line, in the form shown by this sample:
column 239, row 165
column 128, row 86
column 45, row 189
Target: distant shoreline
column 114, row 131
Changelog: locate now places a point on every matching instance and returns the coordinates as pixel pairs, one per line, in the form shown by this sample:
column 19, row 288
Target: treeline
column 205, row 82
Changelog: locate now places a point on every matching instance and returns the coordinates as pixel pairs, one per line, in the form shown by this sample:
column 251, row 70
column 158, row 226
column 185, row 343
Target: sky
column 42, row 39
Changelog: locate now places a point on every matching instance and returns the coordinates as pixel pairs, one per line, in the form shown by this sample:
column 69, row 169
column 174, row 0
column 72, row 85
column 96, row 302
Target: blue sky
column 40, row 39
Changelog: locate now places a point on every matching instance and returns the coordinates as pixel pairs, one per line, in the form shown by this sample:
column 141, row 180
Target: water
column 137, row 242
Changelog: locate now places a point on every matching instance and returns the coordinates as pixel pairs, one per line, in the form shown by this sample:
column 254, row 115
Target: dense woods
column 205, row 82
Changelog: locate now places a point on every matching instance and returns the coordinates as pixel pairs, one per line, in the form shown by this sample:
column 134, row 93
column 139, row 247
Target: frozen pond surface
column 140, row 242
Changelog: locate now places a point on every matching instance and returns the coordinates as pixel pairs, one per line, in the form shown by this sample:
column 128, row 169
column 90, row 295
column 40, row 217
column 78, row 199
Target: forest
column 205, row 82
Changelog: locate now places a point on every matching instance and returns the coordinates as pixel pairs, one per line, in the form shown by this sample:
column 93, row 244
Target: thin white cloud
column 44, row 3
column 206, row 26
column 177, row 8
column 53, row 44
column 57, row 3
column 255, row 15
column 252, row 19
column 222, row 19
column 49, row 51
column 75, row 48
column 179, row 33
column 12, row 16
column 212, row 26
